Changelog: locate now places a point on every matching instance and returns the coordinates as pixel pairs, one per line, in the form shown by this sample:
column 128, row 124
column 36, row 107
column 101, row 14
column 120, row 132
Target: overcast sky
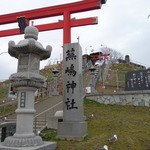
column 123, row 25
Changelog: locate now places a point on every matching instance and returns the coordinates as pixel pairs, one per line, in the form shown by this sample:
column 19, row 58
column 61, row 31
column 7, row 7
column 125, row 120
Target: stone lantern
column 29, row 52
column 55, row 77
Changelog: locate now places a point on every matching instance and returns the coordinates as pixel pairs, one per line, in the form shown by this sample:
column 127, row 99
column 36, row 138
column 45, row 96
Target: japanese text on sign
column 22, row 99
column 70, row 83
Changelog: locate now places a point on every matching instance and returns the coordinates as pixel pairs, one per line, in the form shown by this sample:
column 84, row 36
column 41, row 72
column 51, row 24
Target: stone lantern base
column 44, row 146
column 25, row 141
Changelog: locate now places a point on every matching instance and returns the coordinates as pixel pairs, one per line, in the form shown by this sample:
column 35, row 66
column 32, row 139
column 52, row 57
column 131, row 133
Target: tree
column 113, row 54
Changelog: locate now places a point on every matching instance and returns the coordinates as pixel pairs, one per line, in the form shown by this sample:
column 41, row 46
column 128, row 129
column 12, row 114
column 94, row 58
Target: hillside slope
column 130, row 123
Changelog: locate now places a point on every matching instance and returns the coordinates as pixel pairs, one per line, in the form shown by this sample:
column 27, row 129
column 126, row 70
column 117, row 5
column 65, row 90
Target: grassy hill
column 110, row 84
column 130, row 123
column 4, row 86
column 116, row 78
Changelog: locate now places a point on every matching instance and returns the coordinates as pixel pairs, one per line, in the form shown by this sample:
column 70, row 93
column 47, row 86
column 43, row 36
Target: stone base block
column 52, row 122
column 45, row 146
column 72, row 130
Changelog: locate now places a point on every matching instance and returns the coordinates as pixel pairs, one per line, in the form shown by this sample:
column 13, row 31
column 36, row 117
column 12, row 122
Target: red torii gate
column 66, row 10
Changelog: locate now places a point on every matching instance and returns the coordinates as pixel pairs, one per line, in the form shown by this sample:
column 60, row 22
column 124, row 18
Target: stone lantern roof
column 29, row 52
column 29, row 45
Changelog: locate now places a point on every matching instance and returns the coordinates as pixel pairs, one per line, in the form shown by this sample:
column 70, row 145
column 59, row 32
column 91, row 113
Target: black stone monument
column 137, row 80
column 8, row 129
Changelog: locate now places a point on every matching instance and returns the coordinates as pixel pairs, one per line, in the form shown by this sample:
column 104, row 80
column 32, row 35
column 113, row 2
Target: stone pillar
column 73, row 126
column 127, row 59
column 55, row 83
column 92, row 82
column 25, row 111
column 29, row 52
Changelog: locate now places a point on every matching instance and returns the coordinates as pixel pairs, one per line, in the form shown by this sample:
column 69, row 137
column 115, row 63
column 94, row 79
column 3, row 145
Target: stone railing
column 46, row 113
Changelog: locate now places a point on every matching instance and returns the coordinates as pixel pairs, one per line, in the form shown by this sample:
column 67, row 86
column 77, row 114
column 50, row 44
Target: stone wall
column 135, row 98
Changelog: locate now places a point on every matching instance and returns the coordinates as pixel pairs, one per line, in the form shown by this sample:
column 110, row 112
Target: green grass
column 125, row 67
column 7, row 109
column 3, row 92
column 130, row 123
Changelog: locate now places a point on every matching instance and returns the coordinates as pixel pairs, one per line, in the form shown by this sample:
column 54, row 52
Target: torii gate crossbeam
column 66, row 10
